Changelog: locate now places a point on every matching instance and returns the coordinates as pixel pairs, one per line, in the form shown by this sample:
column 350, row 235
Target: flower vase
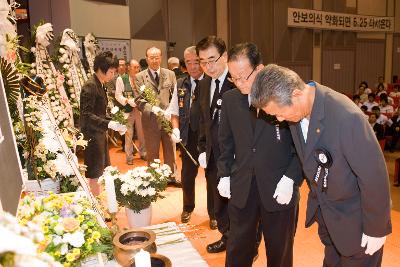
column 141, row 219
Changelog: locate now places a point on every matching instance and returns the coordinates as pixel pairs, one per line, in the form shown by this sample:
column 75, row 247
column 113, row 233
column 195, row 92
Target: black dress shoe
column 213, row 224
column 174, row 183
column 185, row 216
column 216, row 247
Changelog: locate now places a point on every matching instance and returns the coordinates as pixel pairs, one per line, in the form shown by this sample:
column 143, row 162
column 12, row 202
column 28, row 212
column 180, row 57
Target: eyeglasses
column 235, row 80
column 210, row 62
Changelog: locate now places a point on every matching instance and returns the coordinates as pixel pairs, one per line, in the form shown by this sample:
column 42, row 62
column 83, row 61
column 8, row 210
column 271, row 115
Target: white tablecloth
column 172, row 243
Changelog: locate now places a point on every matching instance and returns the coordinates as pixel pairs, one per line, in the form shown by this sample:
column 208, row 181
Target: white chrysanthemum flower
column 76, row 239
column 114, row 110
column 19, row 244
column 63, row 166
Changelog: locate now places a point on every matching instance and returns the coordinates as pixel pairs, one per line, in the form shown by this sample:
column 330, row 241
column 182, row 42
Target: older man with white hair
column 173, row 64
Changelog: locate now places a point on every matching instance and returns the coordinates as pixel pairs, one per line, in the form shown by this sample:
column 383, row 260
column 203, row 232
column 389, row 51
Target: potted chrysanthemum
column 138, row 188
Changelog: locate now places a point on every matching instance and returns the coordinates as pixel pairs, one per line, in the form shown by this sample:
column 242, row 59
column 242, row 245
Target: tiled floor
column 308, row 251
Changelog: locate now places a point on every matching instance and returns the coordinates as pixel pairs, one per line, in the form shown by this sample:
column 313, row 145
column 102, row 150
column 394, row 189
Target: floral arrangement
column 44, row 152
column 53, row 79
column 148, row 95
column 137, row 188
column 23, row 250
column 72, row 68
column 118, row 115
column 71, row 231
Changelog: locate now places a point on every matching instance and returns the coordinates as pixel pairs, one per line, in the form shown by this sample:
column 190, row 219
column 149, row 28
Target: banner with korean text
column 315, row 19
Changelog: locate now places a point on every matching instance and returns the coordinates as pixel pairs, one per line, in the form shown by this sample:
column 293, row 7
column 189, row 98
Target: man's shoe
column 174, row 183
column 213, row 224
column 216, row 247
column 129, row 162
column 185, row 216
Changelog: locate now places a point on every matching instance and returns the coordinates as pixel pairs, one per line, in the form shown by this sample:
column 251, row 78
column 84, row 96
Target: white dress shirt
column 120, row 88
column 221, row 82
column 304, row 123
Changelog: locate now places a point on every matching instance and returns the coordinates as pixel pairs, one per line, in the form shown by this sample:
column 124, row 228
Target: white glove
column 224, row 187
column 284, row 190
column 373, row 243
column 176, row 135
column 203, row 160
column 116, row 126
column 131, row 102
column 167, row 114
column 156, row 110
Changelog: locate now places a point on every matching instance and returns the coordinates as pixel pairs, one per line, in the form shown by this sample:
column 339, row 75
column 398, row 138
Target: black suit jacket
column 207, row 128
column 188, row 113
column 246, row 153
column 357, row 199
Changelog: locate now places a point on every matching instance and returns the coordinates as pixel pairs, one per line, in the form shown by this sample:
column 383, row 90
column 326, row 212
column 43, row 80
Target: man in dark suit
column 341, row 158
column 184, row 108
column 213, row 60
column 162, row 81
column 258, row 163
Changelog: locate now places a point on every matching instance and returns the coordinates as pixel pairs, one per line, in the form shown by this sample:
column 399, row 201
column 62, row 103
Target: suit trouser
column 152, row 137
column 278, row 228
column 134, row 120
column 188, row 175
column 220, row 203
column 333, row 258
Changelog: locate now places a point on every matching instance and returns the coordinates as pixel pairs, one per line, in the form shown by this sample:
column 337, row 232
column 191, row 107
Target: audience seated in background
column 380, row 118
column 363, row 95
column 381, row 89
column 365, row 111
column 395, row 92
column 378, row 128
column 384, row 106
column 394, row 130
column 371, row 102
column 381, row 81
column 357, row 100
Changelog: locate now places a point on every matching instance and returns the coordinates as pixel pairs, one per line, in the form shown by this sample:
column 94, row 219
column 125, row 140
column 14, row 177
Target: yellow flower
column 90, row 230
column 96, row 235
column 76, row 252
column 90, row 241
column 45, row 229
column 81, row 218
column 67, row 264
column 70, row 257
column 57, row 253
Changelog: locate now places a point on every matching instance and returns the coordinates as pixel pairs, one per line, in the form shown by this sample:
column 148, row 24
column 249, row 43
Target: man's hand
column 131, row 102
column 157, row 110
column 224, row 187
column 373, row 243
column 176, row 135
column 203, row 160
column 284, row 190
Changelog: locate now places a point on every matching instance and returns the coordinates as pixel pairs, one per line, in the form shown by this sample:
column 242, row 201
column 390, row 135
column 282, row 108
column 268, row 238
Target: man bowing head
column 341, row 158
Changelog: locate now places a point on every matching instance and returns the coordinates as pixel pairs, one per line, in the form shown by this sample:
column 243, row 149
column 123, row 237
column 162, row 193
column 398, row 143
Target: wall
column 53, row 11
column 102, row 19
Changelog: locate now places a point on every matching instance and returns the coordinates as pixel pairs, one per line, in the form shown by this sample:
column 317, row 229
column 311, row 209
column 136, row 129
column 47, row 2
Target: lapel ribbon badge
column 218, row 109
column 324, row 160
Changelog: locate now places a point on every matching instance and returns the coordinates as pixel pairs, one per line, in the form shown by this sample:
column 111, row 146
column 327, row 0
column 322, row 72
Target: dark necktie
column 253, row 115
column 216, row 96
column 156, row 78
column 195, row 91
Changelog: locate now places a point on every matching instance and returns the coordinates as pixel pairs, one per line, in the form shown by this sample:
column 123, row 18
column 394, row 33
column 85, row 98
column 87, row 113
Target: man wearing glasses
column 213, row 60
column 259, row 169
